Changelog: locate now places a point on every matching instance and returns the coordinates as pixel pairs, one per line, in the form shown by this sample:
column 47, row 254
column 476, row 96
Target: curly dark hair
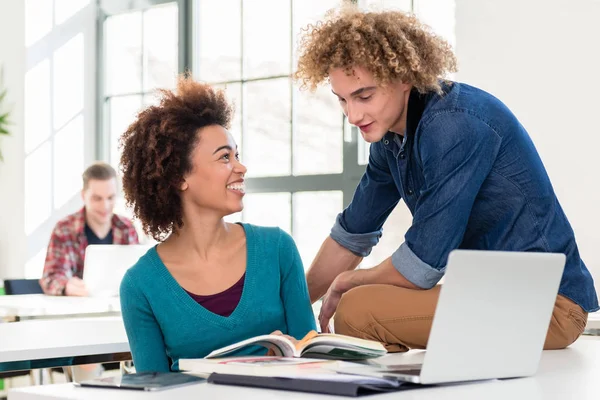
column 389, row 44
column 157, row 148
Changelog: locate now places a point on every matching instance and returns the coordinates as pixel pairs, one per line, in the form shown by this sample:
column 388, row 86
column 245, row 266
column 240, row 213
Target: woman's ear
column 184, row 186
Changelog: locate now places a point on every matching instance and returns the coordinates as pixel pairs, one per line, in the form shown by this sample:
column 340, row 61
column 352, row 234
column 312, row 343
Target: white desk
column 564, row 374
column 34, row 344
column 32, row 306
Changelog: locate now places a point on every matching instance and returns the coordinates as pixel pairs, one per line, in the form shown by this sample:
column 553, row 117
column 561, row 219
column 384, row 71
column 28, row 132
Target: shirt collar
column 417, row 102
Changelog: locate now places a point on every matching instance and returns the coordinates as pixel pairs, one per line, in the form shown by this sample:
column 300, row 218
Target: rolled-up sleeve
column 458, row 151
column 414, row 269
column 359, row 227
column 358, row 243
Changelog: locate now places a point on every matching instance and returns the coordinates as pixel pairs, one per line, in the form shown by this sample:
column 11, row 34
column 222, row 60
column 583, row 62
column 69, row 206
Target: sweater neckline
column 198, row 310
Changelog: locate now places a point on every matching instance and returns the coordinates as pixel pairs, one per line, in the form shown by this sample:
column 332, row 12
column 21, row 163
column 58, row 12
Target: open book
column 324, row 346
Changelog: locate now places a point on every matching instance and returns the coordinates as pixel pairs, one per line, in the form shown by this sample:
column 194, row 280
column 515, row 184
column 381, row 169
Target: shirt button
column 386, row 142
column 402, row 156
column 410, row 192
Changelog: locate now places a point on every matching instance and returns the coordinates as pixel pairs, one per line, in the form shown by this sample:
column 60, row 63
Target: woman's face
column 216, row 182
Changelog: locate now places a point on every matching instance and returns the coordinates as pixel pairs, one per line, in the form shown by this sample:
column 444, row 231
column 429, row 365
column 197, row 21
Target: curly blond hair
column 392, row 45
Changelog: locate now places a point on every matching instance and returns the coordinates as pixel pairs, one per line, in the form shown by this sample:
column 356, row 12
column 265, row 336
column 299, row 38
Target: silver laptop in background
column 105, row 265
column 491, row 319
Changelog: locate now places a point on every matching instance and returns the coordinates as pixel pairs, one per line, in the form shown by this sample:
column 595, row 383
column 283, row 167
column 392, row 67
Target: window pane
column 439, row 15
column 268, row 209
column 314, row 215
column 64, row 9
column 38, row 20
column 34, row 267
column 267, row 149
column 122, row 209
column 68, row 161
column 266, row 39
column 393, row 236
column 68, row 81
column 403, row 5
column 219, row 45
column 308, row 12
column 150, row 99
column 37, row 105
column 122, row 111
column 38, row 181
column 318, row 133
column 160, row 46
column 363, row 152
column 233, row 218
column 233, row 92
column 123, row 46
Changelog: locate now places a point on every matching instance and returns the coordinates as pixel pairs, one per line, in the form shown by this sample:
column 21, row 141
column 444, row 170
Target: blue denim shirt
column 472, row 179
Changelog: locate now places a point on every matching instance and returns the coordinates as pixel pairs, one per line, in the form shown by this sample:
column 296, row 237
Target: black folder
column 305, row 385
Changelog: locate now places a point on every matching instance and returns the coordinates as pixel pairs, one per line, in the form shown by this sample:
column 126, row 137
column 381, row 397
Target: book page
column 331, row 346
column 280, row 345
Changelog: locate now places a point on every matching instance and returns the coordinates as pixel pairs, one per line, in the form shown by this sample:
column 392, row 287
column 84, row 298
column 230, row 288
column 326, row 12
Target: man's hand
column 340, row 285
column 331, row 260
column 384, row 273
column 76, row 287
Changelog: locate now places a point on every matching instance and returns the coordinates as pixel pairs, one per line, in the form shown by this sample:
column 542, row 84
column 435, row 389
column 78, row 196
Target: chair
column 22, row 286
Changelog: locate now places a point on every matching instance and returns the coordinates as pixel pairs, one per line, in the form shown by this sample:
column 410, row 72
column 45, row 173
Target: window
column 56, row 114
column 291, row 141
column 304, row 160
column 141, row 55
column 142, row 47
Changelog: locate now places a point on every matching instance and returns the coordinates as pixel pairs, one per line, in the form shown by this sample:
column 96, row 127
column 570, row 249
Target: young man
column 461, row 161
column 95, row 223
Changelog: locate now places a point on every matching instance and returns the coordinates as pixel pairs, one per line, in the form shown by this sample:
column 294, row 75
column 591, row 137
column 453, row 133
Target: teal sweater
column 164, row 323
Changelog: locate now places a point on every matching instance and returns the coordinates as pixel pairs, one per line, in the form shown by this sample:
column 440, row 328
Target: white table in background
column 593, row 324
column 38, row 306
column 563, row 374
column 46, row 343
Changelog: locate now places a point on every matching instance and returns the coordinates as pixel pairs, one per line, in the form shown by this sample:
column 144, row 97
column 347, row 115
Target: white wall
column 13, row 241
column 542, row 58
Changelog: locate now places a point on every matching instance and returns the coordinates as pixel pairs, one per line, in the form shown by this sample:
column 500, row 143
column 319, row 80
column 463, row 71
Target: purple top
column 222, row 303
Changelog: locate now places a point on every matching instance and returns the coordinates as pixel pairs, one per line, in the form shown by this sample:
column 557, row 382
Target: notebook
column 145, row 381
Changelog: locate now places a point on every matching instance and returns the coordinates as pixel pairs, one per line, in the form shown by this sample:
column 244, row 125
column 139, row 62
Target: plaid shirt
column 66, row 250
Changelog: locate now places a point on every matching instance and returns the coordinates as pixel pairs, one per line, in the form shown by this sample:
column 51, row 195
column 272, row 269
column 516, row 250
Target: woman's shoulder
column 268, row 236
column 140, row 271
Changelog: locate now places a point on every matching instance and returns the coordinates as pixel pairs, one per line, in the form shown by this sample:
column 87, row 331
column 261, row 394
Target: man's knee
column 352, row 313
column 567, row 324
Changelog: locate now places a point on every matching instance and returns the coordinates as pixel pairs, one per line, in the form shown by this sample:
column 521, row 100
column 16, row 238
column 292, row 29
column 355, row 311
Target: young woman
column 208, row 283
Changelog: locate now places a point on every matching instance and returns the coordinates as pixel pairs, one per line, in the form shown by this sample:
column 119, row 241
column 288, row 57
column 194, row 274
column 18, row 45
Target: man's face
column 373, row 108
column 99, row 199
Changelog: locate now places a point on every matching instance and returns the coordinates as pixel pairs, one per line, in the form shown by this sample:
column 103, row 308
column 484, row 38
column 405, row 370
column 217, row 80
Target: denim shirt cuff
column 358, row 243
column 414, row 269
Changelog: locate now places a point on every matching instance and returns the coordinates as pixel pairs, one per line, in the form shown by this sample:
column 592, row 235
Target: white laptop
column 105, row 265
column 491, row 320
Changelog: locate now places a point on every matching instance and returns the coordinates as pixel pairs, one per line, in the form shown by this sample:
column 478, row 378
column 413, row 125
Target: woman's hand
column 271, row 352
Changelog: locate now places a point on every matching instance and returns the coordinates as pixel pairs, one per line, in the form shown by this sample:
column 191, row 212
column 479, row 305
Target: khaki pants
column 401, row 318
